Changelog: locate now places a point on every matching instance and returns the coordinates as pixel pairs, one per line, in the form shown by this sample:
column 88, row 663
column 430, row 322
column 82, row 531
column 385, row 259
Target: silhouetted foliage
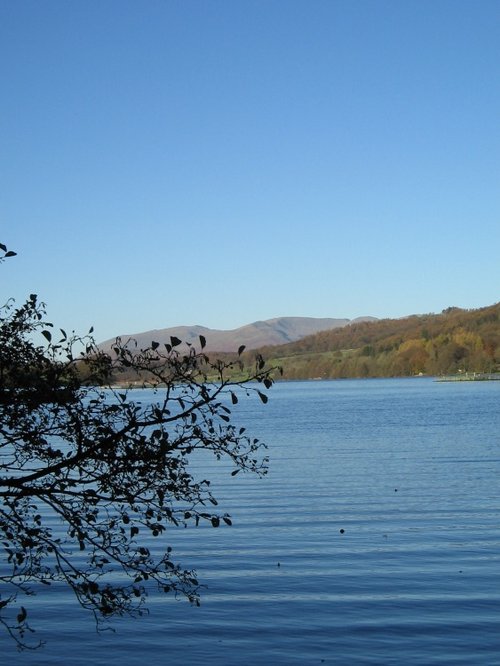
column 88, row 474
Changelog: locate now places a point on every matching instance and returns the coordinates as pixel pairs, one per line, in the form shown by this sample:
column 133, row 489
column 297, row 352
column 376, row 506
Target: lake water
column 408, row 468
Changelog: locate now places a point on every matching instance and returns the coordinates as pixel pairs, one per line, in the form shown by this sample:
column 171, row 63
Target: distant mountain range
column 270, row 332
column 456, row 341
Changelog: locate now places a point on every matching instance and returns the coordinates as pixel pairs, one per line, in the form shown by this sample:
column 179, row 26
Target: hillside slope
column 454, row 341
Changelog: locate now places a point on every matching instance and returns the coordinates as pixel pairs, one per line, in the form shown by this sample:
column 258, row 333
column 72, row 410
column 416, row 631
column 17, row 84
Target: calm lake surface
column 408, row 468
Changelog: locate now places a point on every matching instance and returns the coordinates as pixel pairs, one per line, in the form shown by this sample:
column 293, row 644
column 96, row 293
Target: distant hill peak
column 264, row 333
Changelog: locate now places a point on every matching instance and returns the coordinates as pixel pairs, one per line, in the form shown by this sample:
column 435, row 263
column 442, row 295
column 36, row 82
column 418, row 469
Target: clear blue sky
column 218, row 162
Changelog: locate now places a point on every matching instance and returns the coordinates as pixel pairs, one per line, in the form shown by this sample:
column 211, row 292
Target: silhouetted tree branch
column 88, row 473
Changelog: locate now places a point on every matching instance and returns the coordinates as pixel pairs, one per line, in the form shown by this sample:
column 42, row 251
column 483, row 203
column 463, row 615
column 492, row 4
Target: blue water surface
column 409, row 469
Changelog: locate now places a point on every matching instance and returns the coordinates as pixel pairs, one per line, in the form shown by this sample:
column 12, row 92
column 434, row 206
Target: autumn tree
column 89, row 474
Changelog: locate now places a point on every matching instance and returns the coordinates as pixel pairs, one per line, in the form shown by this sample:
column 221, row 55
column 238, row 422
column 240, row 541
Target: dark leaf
column 155, row 345
column 47, row 335
column 203, row 341
column 215, row 521
column 11, row 254
column 241, row 349
column 234, row 398
column 263, row 397
column 22, row 615
column 174, row 341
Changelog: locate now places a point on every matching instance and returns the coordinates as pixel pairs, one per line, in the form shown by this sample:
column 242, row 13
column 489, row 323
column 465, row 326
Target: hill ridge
column 268, row 332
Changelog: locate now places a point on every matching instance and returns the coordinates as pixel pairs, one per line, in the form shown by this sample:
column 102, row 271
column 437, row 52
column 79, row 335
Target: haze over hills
column 270, row 332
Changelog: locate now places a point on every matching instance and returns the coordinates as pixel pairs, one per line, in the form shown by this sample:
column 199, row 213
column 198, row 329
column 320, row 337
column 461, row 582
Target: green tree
column 113, row 472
